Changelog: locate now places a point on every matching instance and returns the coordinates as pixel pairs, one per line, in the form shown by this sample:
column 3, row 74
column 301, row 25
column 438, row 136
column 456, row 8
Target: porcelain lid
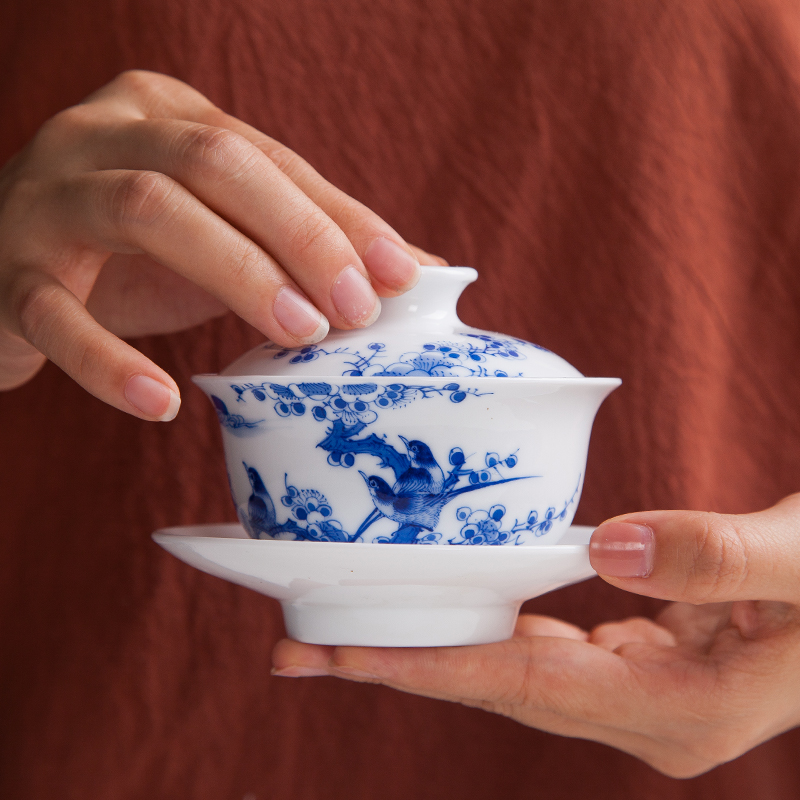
column 417, row 334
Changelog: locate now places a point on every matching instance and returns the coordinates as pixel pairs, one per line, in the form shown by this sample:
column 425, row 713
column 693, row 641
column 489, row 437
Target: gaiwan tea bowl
column 417, row 430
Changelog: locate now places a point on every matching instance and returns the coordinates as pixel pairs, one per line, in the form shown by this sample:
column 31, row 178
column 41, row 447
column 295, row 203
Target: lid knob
column 431, row 305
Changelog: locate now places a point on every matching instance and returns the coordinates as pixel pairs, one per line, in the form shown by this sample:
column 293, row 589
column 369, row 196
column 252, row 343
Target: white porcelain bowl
column 418, row 430
column 504, row 465
column 402, row 596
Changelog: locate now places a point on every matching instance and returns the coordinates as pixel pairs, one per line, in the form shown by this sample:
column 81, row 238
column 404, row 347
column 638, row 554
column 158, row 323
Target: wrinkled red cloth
column 625, row 178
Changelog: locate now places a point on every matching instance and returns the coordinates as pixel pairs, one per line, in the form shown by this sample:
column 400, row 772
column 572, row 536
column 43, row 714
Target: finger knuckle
column 38, row 304
column 515, row 693
column 244, row 261
column 281, row 156
column 207, row 149
column 522, row 687
column 86, row 360
column 31, row 303
column 21, row 193
column 140, row 198
column 138, row 81
column 721, row 563
column 312, row 231
column 68, row 118
column 65, row 125
column 348, row 213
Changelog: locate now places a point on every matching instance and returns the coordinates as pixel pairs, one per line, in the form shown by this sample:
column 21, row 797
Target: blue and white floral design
column 310, row 514
column 351, row 404
column 419, row 488
column 415, row 501
column 463, row 355
column 483, row 527
column 234, row 422
column 338, row 454
column 328, row 401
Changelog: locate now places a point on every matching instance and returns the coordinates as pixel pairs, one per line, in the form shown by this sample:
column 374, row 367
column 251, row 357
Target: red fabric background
column 623, row 175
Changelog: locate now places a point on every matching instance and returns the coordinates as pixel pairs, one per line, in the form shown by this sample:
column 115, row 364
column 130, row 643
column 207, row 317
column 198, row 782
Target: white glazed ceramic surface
column 403, row 596
column 417, row 336
column 418, row 430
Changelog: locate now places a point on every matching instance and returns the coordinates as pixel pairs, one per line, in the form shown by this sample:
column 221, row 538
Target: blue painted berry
column 457, row 457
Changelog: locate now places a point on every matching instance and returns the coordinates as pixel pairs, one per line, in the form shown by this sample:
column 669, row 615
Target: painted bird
column 414, row 509
column 260, row 508
column 425, row 474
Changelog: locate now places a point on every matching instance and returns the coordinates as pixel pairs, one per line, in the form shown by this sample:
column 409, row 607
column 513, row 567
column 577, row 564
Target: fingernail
column 299, row 672
column 152, row 398
column 390, row 264
column 354, row 298
column 349, row 672
column 622, row 550
column 298, row 317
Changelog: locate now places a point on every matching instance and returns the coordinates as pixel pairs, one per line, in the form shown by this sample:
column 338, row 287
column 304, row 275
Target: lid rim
column 399, row 378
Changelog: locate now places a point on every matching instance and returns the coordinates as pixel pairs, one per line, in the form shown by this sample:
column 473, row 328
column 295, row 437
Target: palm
column 676, row 691
column 656, row 688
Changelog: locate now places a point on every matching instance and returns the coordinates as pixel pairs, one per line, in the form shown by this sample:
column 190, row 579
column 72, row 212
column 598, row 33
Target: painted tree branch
column 340, row 440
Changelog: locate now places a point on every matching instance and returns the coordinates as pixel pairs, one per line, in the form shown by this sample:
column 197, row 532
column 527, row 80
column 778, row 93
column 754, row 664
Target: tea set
column 407, row 484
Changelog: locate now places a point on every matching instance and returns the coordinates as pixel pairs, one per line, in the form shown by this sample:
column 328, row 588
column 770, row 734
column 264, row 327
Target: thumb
column 699, row 557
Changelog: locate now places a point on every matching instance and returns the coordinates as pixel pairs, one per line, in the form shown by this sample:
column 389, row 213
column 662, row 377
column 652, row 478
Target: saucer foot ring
column 398, row 627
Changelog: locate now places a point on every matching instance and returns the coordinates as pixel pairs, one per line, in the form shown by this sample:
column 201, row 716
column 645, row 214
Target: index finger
column 392, row 264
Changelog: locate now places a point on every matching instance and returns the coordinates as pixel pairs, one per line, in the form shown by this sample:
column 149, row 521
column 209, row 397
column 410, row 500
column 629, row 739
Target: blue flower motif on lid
column 469, row 355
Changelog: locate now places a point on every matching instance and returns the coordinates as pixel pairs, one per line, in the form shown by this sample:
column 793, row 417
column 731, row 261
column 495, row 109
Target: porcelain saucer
column 386, row 596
